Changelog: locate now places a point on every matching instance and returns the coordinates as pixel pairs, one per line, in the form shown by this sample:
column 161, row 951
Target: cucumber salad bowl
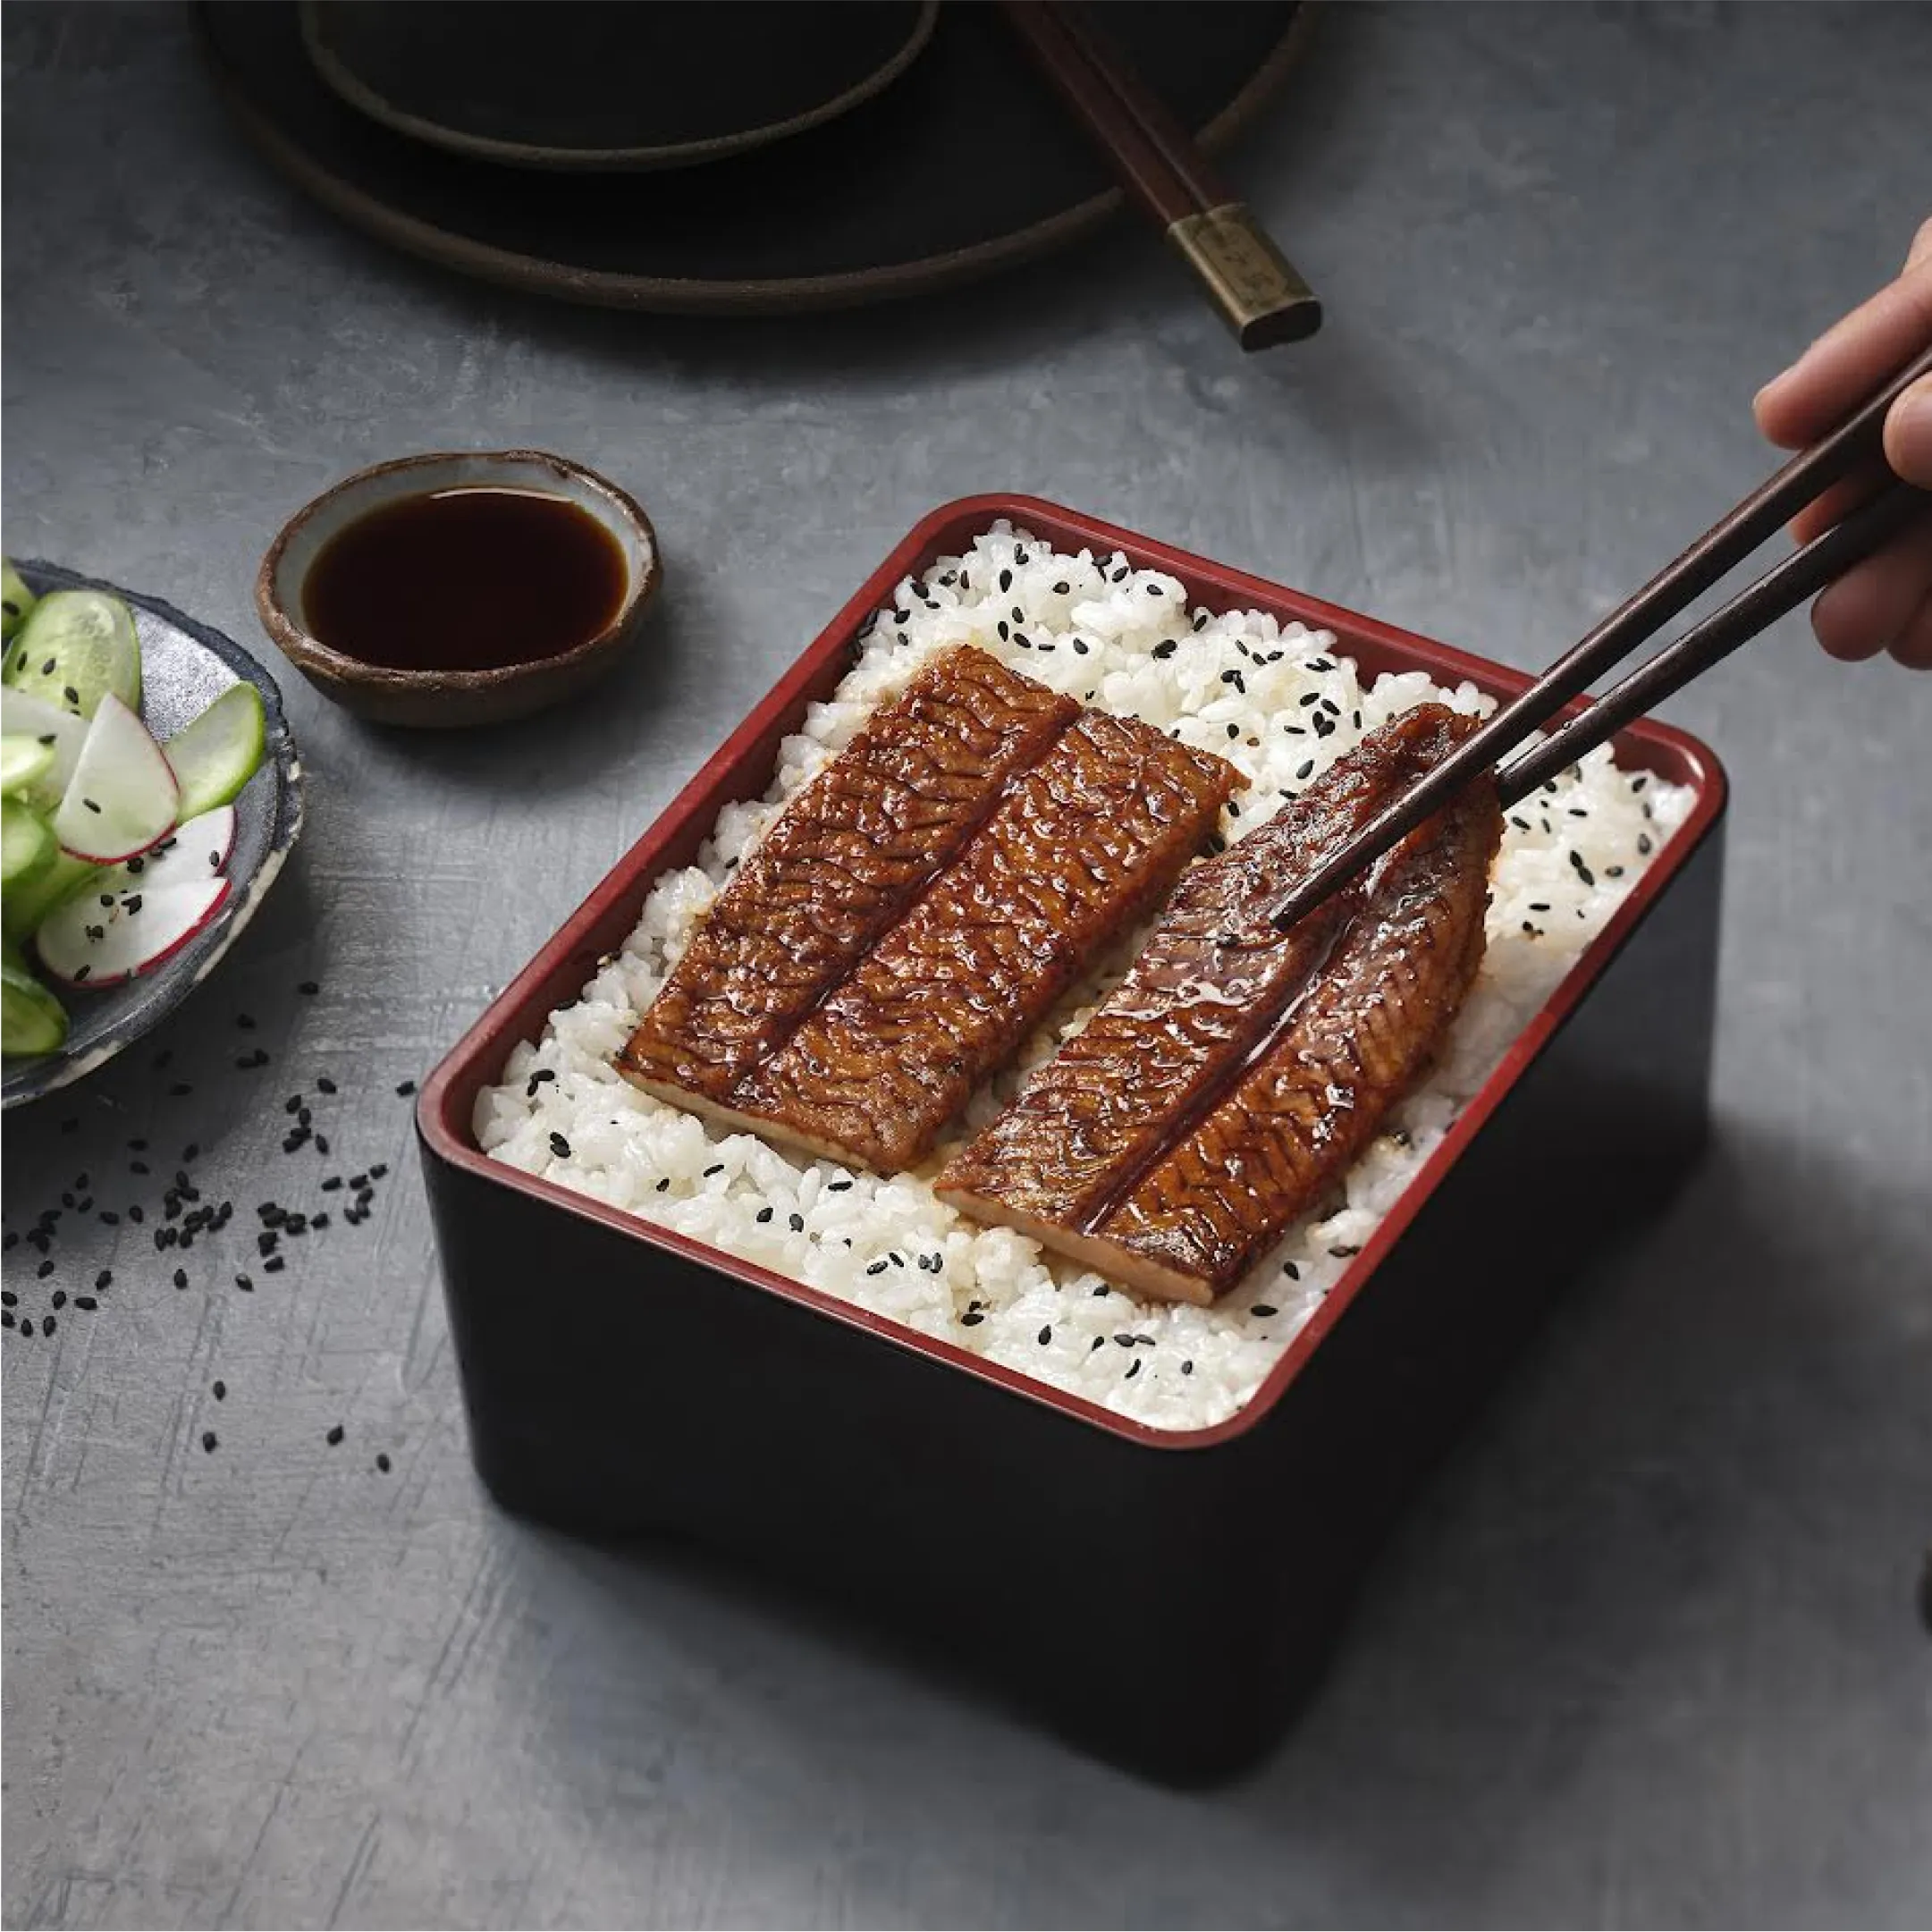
column 149, row 793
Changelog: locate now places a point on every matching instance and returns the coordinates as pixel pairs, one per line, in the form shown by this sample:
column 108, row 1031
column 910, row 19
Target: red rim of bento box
column 449, row 1095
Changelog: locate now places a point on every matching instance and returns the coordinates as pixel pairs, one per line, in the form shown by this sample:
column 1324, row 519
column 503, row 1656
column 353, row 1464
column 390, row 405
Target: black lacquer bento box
column 952, row 1507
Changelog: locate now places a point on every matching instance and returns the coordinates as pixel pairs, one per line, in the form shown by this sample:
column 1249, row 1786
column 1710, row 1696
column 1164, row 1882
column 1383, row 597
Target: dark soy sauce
column 465, row 580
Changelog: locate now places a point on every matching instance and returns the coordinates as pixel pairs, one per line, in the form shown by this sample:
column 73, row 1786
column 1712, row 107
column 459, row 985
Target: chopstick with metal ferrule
column 1855, row 444
column 1253, row 286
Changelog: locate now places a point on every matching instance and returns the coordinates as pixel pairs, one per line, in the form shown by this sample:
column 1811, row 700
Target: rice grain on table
column 1281, row 702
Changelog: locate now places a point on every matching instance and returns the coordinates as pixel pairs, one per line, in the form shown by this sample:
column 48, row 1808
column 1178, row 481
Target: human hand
column 1884, row 604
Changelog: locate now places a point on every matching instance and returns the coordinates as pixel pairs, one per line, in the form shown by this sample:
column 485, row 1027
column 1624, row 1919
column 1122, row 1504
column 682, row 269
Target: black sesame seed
column 1006, row 580
column 1643, row 844
column 219, row 1391
column 877, row 1268
column 334, row 1436
column 1046, row 1335
column 378, row 1170
column 274, row 1265
column 137, row 1213
column 404, row 1088
column 797, row 1224
column 244, row 1284
column 559, row 1147
column 1305, row 769
column 82, row 972
column 382, row 1463
column 1187, row 1368
column 322, row 1144
column 1167, row 647
column 86, row 1303
column 1234, row 731
column 27, row 1326
column 293, row 1104
column 210, row 1441
column 8, row 1299
column 1264, row 1309
column 180, row 1278
column 971, row 1319
column 765, row 1214
column 1134, row 1368
column 44, row 1270
column 58, row 1299
column 324, row 1084
column 334, row 1182
column 90, row 805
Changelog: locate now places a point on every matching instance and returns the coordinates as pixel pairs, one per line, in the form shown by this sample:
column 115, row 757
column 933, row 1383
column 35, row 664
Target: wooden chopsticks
column 1251, row 283
column 1854, row 445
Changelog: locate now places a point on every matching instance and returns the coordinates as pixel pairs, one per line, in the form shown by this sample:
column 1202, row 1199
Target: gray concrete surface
column 1646, row 1652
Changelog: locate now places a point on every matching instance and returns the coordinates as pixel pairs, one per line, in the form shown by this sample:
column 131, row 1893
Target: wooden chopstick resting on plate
column 1856, row 442
column 1252, row 283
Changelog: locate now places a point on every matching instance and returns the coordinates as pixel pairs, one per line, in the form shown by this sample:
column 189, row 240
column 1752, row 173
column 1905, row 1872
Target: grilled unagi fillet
column 1213, row 979
column 1083, row 846
column 845, row 859
column 1363, row 1032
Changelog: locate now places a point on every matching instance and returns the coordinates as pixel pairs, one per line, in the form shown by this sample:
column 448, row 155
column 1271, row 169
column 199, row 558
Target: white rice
column 1098, row 629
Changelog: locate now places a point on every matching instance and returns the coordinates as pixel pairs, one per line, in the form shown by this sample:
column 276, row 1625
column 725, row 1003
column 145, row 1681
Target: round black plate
column 967, row 164
column 185, row 666
column 589, row 85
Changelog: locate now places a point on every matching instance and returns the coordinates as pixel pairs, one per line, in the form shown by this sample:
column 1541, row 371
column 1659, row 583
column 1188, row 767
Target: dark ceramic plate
column 587, row 85
column 185, row 666
column 967, row 164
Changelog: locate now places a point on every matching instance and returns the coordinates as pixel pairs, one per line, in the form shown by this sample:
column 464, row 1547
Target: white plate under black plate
column 185, row 666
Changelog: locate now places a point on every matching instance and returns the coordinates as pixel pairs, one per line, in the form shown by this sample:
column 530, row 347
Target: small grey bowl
column 442, row 700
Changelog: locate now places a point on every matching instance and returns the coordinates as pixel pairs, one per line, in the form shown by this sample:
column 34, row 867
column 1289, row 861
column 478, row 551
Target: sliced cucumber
column 30, row 902
column 24, row 762
column 75, row 647
column 15, row 600
column 219, row 751
column 27, row 843
column 24, row 715
column 31, row 1019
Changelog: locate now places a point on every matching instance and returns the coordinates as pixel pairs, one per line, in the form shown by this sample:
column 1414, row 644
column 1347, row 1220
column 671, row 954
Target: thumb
column 1908, row 434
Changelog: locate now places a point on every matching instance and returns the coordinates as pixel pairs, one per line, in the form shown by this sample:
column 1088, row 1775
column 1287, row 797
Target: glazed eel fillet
column 870, row 1061
column 1223, row 1088
column 1084, row 845
column 845, row 858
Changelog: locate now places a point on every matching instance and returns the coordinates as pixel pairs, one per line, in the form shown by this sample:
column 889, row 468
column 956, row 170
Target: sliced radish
column 122, row 795
column 85, row 943
column 193, row 852
column 23, row 714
